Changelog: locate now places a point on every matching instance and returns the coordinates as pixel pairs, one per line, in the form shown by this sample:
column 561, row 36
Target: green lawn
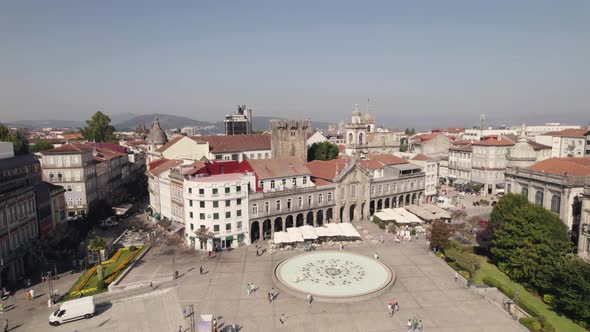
column 560, row 323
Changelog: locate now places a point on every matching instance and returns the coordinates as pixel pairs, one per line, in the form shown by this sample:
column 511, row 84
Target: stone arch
column 329, row 215
column 400, row 201
column 379, row 204
column 289, row 222
column 351, row 212
column 320, row 217
column 341, row 214
column 393, row 202
column 266, row 229
column 309, row 218
column 414, row 197
column 371, row 207
column 386, row 203
column 278, row 224
column 254, row 231
column 407, row 202
column 299, row 220
column 350, row 138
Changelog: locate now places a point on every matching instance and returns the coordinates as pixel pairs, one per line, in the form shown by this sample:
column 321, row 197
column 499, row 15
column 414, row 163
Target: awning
column 241, row 236
column 229, row 238
column 192, row 238
column 157, row 216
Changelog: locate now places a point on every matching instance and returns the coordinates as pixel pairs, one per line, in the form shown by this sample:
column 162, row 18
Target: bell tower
column 289, row 138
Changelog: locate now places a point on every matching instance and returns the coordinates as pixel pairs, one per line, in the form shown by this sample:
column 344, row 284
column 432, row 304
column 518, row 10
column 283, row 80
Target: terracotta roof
column 461, row 142
column 278, row 167
column 236, row 143
column 495, row 142
column 568, row 133
column 70, row 147
column 421, row 157
column 455, row 130
column 170, row 143
column 168, row 164
column 110, row 146
column 326, row 169
column 72, row 136
column 564, row 166
column 466, row 147
column 106, row 154
column 341, row 147
column 370, row 164
column 387, row 159
column 157, row 163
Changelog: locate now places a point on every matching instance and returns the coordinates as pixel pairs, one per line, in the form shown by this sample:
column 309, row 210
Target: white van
column 73, row 310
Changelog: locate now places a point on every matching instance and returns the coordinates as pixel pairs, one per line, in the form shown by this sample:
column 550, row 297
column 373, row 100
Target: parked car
column 73, row 310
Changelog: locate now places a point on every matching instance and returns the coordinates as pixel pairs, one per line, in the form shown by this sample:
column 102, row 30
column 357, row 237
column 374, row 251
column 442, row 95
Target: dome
column 157, row 134
column 522, row 150
column 356, row 110
column 368, row 118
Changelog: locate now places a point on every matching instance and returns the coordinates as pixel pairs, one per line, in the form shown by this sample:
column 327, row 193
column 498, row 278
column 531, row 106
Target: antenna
column 482, row 119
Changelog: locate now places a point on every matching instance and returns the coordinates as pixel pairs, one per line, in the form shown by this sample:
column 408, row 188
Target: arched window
column 539, row 198
column 350, row 138
column 524, row 191
column 360, row 138
column 556, row 203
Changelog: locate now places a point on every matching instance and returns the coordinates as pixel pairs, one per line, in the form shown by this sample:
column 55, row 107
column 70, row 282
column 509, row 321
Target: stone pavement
column 424, row 288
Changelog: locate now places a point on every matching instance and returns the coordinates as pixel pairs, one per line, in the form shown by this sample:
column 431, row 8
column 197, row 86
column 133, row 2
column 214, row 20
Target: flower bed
column 121, row 266
column 83, row 282
column 115, row 257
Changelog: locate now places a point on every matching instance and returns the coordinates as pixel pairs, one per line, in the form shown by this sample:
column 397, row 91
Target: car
column 68, row 311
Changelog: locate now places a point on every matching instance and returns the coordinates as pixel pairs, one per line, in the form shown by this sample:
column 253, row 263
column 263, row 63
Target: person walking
column 32, row 291
column 376, row 256
column 395, row 307
column 389, row 309
column 420, row 325
column 410, row 325
column 414, row 324
column 282, row 319
column 272, row 293
column 201, row 270
column 268, row 296
column 248, row 289
column 252, row 289
column 456, row 277
column 309, row 298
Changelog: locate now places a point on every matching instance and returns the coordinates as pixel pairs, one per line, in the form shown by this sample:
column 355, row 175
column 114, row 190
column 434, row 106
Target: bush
column 465, row 274
column 548, row 298
column 100, row 284
column 528, row 322
column 547, row 326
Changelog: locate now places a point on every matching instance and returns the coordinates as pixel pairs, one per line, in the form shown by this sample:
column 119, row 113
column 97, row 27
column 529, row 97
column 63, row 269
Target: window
column 201, row 191
column 228, row 227
column 387, row 188
column 353, row 191
column 216, row 216
column 215, row 204
column 309, row 200
column 202, row 204
column 190, row 202
column 524, row 191
column 201, row 216
column 272, row 184
column 329, row 197
column 239, row 213
column 227, row 190
column 294, row 181
column 190, row 215
column 215, row 191
column 254, row 208
column 239, row 201
column 288, row 204
column 305, row 180
column 192, row 227
column 284, row 182
column 238, row 189
column 372, row 190
column 227, row 203
column 216, row 228
column 300, row 201
column 320, row 198
column 266, row 207
column 228, row 214
column 190, row 190
column 380, row 189
column 260, row 156
column 239, row 225
column 278, row 205
column 556, row 203
column 539, row 197
column 266, row 155
column 509, row 188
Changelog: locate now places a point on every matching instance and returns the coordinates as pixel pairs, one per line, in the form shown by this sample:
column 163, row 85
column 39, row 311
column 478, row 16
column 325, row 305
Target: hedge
column 531, row 323
column 508, row 291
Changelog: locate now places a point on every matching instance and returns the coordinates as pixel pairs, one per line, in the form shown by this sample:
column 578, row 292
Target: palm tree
column 96, row 245
column 204, row 235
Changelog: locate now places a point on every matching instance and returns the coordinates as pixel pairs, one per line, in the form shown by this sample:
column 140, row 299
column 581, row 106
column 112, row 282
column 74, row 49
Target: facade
column 189, row 131
column 478, row 134
column 534, row 131
column 239, row 123
column 19, row 227
column 565, row 143
column 460, row 157
column 489, row 163
column 588, row 141
column 431, row 179
column 556, row 184
column 72, row 166
column 584, row 238
column 435, row 145
column 289, row 138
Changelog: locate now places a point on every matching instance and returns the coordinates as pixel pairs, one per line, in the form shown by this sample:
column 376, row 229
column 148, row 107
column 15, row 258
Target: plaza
column 424, row 288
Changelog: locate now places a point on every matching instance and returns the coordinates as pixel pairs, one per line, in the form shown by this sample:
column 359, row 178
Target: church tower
column 289, row 138
column 155, row 140
column 356, row 135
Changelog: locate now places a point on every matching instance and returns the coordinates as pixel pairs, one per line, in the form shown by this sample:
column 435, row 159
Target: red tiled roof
column 106, row 154
column 236, row 143
column 341, row 147
column 387, row 159
column 278, row 167
column 70, row 147
column 466, row 147
column 320, row 182
column 110, row 146
column 568, row 133
column 495, row 142
column 170, row 143
column 564, row 166
column 421, row 157
column 157, row 163
column 326, row 169
column 370, row 164
column 168, row 164
column 72, row 136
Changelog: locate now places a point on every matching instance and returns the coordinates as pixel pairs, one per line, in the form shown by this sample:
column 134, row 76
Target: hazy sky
column 422, row 63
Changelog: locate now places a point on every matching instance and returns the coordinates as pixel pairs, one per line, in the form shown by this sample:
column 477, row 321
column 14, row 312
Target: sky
column 422, row 63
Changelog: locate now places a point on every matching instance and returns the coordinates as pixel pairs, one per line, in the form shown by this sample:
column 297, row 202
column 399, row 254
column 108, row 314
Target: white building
column 584, row 237
column 478, row 134
column 534, row 131
column 565, row 143
column 460, row 157
column 489, row 163
column 430, row 168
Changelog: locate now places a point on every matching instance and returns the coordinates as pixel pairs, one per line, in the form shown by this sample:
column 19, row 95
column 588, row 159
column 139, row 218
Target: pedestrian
column 414, row 324
column 248, row 289
column 389, row 309
column 269, row 298
column 1, row 308
column 410, row 325
column 420, row 325
column 272, row 293
column 382, row 241
column 376, row 256
column 201, row 270
column 456, row 276
column 282, row 319
column 395, row 307
column 179, row 328
column 309, row 298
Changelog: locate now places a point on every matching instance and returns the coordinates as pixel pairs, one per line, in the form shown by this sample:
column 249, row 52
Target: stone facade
column 289, row 138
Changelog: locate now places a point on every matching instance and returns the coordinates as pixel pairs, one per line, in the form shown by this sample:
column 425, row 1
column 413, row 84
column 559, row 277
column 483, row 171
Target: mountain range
column 130, row 121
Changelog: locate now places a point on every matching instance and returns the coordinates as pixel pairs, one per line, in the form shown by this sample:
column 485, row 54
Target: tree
column 19, row 141
column 98, row 128
column 322, row 151
column 440, row 234
column 97, row 244
column 403, row 148
column 41, row 146
column 204, row 234
column 572, row 289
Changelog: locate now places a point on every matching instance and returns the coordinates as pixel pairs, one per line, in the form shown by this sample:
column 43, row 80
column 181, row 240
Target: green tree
column 41, row 146
column 322, row 151
column 403, row 148
column 572, row 289
column 97, row 244
column 204, row 235
column 98, row 128
column 19, row 141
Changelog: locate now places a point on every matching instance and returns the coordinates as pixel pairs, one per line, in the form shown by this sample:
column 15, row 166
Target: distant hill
column 167, row 121
column 46, row 124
